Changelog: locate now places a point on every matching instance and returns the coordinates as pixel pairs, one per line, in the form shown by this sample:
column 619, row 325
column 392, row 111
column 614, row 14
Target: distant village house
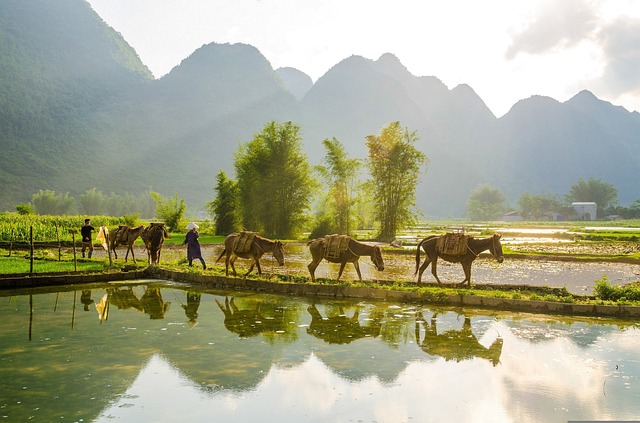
column 585, row 210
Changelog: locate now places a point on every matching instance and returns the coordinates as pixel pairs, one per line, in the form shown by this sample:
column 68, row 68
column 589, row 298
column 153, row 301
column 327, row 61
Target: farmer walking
column 193, row 245
column 85, row 231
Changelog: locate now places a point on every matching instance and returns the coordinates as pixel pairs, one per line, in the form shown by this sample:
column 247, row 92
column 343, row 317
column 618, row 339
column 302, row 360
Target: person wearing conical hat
column 193, row 245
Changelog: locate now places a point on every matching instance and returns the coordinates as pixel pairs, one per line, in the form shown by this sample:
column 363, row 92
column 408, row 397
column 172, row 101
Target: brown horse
column 153, row 238
column 354, row 250
column 474, row 248
column 259, row 246
column 125, row 235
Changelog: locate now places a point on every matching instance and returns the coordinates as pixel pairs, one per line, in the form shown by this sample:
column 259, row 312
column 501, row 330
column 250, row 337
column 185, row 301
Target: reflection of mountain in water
column 581, row 333
column 359, row 341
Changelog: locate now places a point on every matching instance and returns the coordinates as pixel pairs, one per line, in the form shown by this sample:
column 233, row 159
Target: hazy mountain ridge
column 106, row 123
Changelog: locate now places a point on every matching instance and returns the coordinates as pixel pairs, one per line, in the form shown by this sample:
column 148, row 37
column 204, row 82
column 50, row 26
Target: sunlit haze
column 505, row 50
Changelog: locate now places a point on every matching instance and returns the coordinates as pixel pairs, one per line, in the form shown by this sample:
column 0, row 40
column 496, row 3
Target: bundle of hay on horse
column 153, row 237
column 456, row 248
column 342, row 249
column 125, row 235
column 249, row 245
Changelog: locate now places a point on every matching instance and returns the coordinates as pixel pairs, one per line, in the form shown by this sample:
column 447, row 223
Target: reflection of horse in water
column 250, row 322
column 456, row 345
column 124, row 298
column 339, row 329
column 153, row 304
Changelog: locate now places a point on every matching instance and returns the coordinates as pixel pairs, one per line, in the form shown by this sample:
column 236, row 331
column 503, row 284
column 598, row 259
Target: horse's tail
column 222, row 254
column 418, row 256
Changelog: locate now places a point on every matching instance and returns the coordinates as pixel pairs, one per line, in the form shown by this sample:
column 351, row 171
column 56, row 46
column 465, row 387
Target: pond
column 163, row 352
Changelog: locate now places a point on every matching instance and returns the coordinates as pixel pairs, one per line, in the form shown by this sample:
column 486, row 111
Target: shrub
column 604, row 290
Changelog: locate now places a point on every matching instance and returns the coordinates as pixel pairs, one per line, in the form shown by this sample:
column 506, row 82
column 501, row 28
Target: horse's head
column 278, row 252
column 496, row 248
column 376, row 258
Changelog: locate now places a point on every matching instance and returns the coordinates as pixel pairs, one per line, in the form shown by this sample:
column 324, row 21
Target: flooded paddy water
column 164, row 352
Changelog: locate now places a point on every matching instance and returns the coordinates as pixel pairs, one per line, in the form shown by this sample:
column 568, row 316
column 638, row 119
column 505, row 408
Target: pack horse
column 342, row 249
column 455, row 248
column 249, row 245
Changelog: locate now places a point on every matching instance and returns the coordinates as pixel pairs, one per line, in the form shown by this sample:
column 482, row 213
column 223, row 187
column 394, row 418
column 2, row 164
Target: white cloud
column 559, row 24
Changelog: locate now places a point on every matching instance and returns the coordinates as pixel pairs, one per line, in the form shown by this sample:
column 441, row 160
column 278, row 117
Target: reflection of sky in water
column 131, row 367
column 553, row 381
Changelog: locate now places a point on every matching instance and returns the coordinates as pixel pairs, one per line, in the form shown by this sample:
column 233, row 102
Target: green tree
column 48, row 202
column 93, row 202
column 225, row 209
column 340, row 174
column 594, row 190
column 170, row 210
column 274, row 181
column 395, row 165
column 534, row 207
column 485, row 203
column 24, row 208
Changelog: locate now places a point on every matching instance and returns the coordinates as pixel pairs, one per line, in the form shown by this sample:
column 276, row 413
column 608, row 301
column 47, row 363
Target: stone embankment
column 12, row 282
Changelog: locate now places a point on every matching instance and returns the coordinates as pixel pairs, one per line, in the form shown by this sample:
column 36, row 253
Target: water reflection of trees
column 390, row 337
column 259, row 317
column 338, row 328
column 457, row 345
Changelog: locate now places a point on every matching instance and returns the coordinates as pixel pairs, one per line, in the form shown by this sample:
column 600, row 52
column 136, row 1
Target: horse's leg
column 226, row 264
column 341, row 269
column 357, row 266
column 232, row 260
column 134, row 256
column 312, row 267
column 434, row 269
column 424, row 266
column 253, row 263
column 466, row 266
column 257, row 261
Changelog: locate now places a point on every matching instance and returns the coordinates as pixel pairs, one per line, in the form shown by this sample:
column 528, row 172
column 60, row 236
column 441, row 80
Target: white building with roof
column 585, row 210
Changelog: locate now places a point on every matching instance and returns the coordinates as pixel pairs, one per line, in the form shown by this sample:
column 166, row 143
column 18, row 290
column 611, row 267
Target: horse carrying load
column 342, row 249
column 455, row 248
column 249, row 245
column 242, row 243
column 335, row 245
column 452, row 244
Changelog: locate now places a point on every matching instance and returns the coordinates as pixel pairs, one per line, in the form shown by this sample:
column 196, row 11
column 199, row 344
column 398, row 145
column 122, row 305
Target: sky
column 505, row 50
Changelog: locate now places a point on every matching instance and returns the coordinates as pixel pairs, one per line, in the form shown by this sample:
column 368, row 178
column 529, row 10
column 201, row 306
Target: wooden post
column 59, row 245
column 106, row 238
column 75, row 262
column 11, row 242
column 31, row 249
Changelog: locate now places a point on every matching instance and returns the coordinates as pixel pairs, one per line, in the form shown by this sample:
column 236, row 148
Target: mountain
column 78, row 110
column 61, row 67
column 298, row 82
